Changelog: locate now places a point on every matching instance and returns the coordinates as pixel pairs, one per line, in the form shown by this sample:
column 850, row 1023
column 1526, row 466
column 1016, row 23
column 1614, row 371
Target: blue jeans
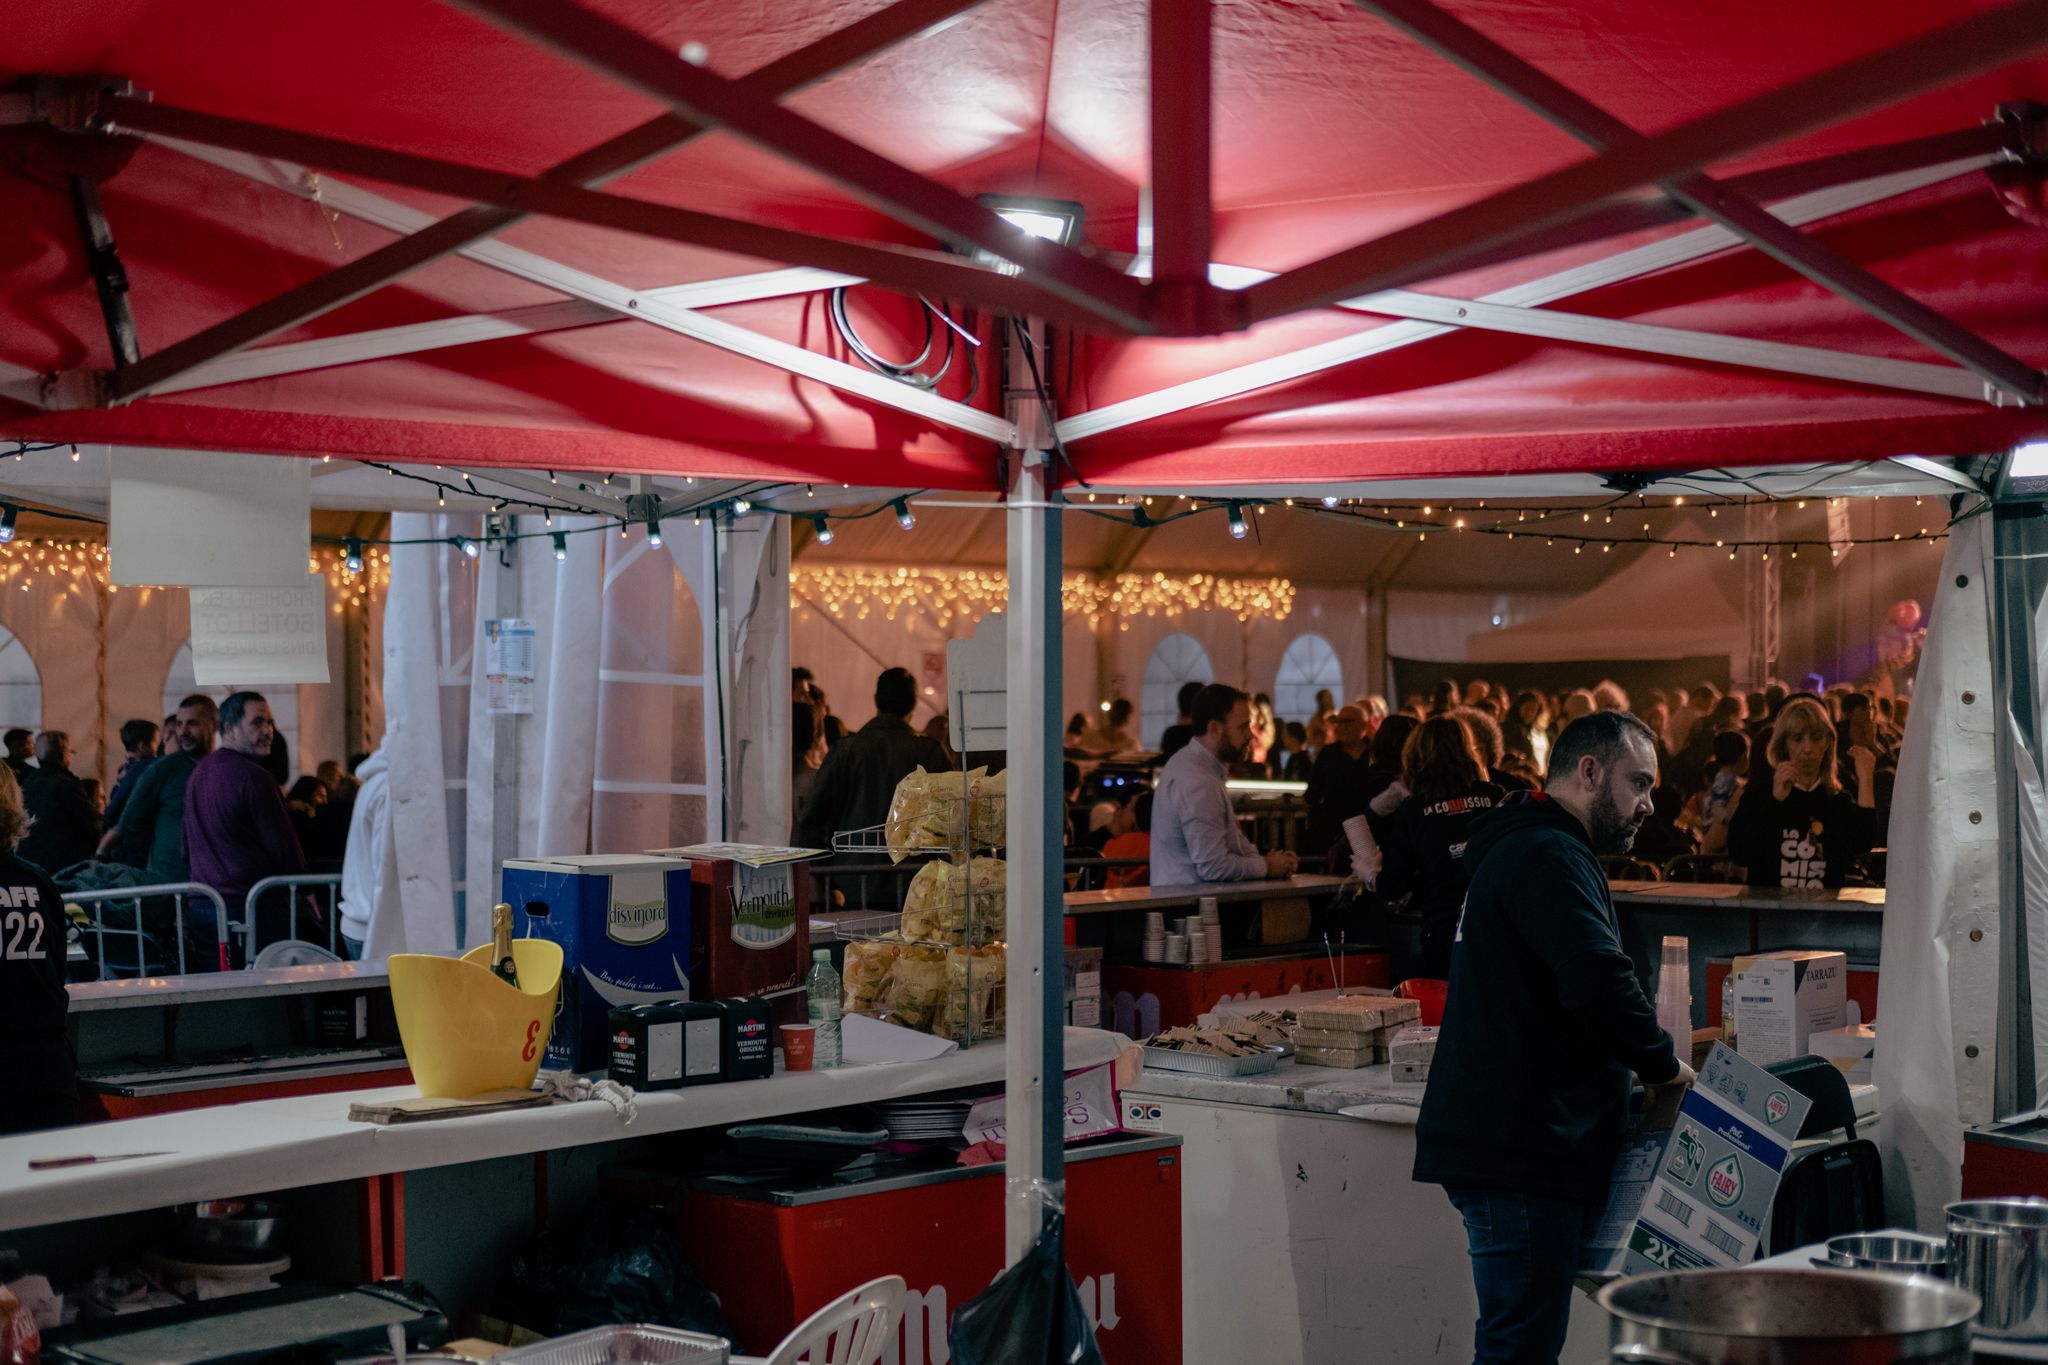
column 1525, row 1254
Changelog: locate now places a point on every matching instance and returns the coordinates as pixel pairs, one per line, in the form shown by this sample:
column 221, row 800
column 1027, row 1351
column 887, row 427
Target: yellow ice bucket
column 466, row 1030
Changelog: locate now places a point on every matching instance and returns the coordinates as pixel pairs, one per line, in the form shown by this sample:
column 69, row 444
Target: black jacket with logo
column 1423, row 843
column 1545, row 1019
column 1806, row 840
column 41, row 1077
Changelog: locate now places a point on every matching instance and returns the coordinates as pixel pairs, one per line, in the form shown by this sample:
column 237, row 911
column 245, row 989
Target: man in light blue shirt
column 1195, row 837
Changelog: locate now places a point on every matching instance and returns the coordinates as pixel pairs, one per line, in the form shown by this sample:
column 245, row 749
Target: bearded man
column 1544, row 1027
column 1195, row 837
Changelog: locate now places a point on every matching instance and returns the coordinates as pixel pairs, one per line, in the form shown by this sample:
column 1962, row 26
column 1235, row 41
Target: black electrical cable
column 718, row 675
column 1052, row 426
column 906, row 372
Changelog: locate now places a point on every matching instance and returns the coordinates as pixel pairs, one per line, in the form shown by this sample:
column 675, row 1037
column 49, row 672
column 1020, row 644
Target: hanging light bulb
column 654, row 529
column 1237, row 526
column 561, row 539
column 741, row 506
column 824, row 530
column 468, row 547
column 8, row 512
column 74, row 454
column 1331, row 500
column 352, row 556
column 903, row 515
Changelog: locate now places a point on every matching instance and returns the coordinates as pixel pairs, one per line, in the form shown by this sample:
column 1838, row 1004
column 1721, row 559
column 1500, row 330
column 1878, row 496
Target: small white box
column 1853, row 1050
column 1783, row 999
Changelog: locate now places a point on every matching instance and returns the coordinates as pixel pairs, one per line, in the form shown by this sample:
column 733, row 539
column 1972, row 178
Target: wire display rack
column 938, row 964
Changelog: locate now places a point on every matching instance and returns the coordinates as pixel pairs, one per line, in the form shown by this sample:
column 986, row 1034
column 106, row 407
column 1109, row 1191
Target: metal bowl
column 1908, row 1253
column 1780, row 1317
column 236, row 1227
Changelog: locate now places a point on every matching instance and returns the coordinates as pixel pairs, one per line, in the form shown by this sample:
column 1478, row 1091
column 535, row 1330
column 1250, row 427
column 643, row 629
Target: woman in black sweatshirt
column 1443, row 789
column 1802, row 830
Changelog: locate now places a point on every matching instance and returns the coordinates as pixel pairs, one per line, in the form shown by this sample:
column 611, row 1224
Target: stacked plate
column 924, row 1120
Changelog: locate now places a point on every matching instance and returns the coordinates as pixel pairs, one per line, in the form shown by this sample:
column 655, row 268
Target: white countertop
column 1735, row 896
column 1163, row 897
column 206, row 987
column 241, row 1149
column 1304, row 1089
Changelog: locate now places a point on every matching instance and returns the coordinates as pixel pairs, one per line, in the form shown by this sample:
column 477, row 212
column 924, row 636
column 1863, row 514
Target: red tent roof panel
column 1330, row 128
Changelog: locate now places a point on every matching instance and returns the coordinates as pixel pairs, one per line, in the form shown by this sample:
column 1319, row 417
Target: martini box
column 750, row 931
column 623, row 921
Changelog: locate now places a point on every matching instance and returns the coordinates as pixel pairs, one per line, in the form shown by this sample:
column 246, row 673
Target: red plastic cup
column 798, row 1043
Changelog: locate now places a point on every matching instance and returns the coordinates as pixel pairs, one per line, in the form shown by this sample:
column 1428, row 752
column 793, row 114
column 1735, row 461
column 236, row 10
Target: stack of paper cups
column 1198, row 950
column 1176, row 948
column 1674, row 992
column 1155, row 936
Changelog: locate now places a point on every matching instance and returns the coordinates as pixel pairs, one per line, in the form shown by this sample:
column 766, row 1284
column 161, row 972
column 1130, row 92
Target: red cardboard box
column 751, row 931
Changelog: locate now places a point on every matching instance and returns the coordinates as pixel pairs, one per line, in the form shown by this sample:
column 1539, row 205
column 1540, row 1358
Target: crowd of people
column 203, row 798
column 1777, row 788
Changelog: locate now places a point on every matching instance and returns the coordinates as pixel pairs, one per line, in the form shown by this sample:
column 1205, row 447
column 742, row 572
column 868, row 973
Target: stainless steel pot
column 236, row 1227
column 1904, row 1253
column 1998, row 1250
column 1788, row 1317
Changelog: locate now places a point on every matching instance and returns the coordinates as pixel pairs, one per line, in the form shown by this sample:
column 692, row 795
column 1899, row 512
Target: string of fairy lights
column 947, row 595
column 357, row 569
column 1557, row 526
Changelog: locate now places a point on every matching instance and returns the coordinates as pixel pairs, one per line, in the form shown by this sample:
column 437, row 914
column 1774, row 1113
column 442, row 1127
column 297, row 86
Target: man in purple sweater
column 236, row 829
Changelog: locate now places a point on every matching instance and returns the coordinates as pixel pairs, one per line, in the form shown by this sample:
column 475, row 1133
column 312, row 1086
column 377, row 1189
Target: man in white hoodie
column 368, row 883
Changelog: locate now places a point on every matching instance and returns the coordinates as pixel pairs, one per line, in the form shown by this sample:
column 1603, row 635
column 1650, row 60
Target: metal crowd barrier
column 93, row 902
column 292, row 884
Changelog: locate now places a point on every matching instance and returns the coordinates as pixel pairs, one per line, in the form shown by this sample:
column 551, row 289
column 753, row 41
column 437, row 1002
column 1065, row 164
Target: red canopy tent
column 268, row 145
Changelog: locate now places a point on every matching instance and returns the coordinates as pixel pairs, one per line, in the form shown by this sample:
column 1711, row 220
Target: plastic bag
column 617, row 1265
column 1031, row 1315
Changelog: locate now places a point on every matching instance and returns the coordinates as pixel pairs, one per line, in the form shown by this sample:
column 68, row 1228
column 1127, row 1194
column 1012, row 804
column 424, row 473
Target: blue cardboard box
column 623, row 920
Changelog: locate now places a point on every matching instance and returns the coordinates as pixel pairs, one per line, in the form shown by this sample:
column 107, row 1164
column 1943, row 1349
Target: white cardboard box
column 1783, row 999
column 1852, row 1049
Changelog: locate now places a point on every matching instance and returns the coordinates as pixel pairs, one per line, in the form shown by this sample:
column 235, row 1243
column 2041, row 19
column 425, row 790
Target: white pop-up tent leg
column 1032, row 1014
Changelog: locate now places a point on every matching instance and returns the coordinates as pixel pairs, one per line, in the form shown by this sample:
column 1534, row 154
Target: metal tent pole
column 1032, row 1011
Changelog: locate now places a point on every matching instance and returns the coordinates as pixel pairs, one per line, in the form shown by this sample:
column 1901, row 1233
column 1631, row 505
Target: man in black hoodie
column 1544, row 1025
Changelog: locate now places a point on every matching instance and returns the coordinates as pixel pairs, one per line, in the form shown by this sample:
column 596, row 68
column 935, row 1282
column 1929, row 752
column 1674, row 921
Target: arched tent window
column 1175, row 660
column 283, row 699
column 1308, row 667
column 650, row 789
column 21, row 686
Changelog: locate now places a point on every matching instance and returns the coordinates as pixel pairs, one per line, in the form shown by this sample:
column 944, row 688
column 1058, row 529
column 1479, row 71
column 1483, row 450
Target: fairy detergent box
column 1706, row 1204
column 623, row 920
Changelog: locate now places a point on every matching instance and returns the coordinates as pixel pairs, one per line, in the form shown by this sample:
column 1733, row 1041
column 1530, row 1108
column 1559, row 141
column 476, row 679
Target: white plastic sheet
column 1938, row 1021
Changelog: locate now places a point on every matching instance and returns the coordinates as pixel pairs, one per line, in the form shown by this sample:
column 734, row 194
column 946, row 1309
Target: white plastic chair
column 853, row 1329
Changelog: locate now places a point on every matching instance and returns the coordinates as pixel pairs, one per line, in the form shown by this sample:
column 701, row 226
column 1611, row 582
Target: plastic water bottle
column 822, row 985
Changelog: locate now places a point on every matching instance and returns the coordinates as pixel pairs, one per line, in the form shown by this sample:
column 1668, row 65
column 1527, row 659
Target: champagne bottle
column 501, row 943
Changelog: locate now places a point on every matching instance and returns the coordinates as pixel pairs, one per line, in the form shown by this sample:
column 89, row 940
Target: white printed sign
column 509, row 666
column 260, row 635
column 1089, row 1102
